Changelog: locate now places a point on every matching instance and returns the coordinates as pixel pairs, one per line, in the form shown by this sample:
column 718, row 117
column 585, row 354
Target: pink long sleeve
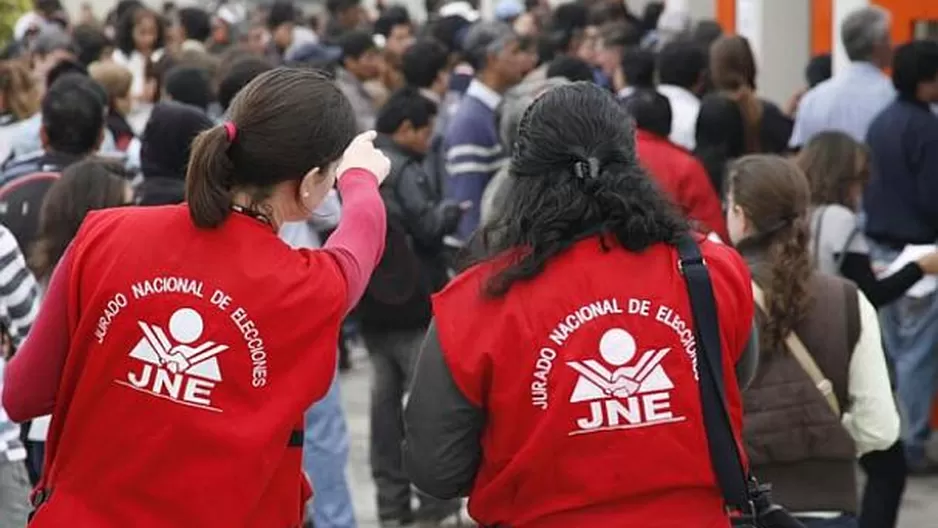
column 31, row 380
column 358, row 243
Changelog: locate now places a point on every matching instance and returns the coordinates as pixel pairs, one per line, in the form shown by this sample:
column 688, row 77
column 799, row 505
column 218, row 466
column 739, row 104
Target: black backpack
column 20, row 202
column 398, row 294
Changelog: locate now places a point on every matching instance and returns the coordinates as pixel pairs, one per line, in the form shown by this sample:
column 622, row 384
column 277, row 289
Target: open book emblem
column 617, row 348
column 178, row 352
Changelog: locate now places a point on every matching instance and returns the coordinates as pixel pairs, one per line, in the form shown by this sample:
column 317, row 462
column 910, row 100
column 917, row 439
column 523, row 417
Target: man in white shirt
column 850, row 100
column 682, row 66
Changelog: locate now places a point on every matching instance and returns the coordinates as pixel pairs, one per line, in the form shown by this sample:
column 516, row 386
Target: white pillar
column 781, row 41
column 842, row 8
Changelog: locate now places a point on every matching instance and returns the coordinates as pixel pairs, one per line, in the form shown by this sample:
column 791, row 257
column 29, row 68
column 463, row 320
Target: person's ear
column 313, row 189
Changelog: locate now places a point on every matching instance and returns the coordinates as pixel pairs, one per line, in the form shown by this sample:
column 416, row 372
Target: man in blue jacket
column 901, row 210
column 473, row 153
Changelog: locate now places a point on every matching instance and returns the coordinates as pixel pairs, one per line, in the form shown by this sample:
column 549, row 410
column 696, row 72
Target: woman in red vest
column 557, row 386
column 178, row 346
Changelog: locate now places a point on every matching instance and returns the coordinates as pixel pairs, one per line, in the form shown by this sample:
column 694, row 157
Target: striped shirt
column 472, row 151
column 19, row 303
column 846, row 103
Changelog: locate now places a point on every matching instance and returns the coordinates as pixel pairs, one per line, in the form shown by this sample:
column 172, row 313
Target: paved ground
column 920, row 509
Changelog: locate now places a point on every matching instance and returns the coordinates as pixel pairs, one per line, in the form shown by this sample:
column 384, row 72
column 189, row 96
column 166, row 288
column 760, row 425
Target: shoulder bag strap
column 803, row 357
column 818, row 224
column 843, row 251
column 721, row 442
column 854, row 325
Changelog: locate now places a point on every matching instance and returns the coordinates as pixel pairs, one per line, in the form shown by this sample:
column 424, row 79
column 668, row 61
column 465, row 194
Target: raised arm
column 358, row 243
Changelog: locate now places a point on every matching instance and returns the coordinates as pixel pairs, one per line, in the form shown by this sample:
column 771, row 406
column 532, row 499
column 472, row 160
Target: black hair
column 65, row 67
column 48, row 7
column 392, row 17
column 570, row 68
column 281, row 12
column 240, row 73
column 91, row 42
column 638, row 67
column 682, row 63
column 604, row 13
column 651, row 111
column 914, row 63
column 706, row 32
column 554, row 201
column 126, row 5
column 167, row 139
column 450, row 31
column 651, row 14
column 566, row 25
column 125, row 29
column 423, row 62
column 287, row 122
column 720, row 137
column 335, row 7
column 404, row 105
column 818, row 70
column 570, row 16
column 356, row 43
column 73, row 114
column 189, row 85
column 196, row 22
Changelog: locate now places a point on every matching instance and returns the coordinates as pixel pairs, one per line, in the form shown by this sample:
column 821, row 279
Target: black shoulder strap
column 724, row 452
column 854, row 327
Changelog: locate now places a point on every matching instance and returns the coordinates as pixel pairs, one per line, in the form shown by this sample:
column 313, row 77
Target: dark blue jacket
column 901, row 200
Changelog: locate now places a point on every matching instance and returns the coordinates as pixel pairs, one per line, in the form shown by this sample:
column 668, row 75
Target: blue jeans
column 844, row 521
column 910, row 334
column 325, row 456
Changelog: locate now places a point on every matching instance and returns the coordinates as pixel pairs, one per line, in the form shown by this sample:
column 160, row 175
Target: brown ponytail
column 751, row 109
column 208, row 180
column 774, row 196
column 282, row 124
column 786, row 283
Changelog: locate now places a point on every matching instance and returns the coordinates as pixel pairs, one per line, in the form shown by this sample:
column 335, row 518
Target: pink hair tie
column 231, row 130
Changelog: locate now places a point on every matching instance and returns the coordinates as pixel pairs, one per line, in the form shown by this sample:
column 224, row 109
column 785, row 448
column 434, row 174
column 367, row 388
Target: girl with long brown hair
column 821, row 394
column 837, row 167
column 733, row 72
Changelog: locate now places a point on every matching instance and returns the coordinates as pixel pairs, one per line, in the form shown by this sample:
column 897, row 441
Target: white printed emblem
column 177, row 367
column 624, row 392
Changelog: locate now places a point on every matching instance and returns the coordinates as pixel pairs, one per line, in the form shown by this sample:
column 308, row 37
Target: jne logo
column 178, row 370
column 626, row 394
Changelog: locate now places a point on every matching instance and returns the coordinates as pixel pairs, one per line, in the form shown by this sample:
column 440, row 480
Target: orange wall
column 822, row 15
column 904, row 13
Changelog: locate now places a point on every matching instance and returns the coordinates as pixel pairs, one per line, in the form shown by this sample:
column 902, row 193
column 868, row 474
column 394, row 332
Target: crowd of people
column 505, row 235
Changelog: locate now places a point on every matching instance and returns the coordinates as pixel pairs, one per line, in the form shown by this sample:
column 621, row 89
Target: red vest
column 193, row 355
column 587, row 378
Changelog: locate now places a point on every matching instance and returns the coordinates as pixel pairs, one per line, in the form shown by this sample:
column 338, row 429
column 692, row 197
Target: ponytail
column 751, row 109
column 208, row 180
column 786, row 284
